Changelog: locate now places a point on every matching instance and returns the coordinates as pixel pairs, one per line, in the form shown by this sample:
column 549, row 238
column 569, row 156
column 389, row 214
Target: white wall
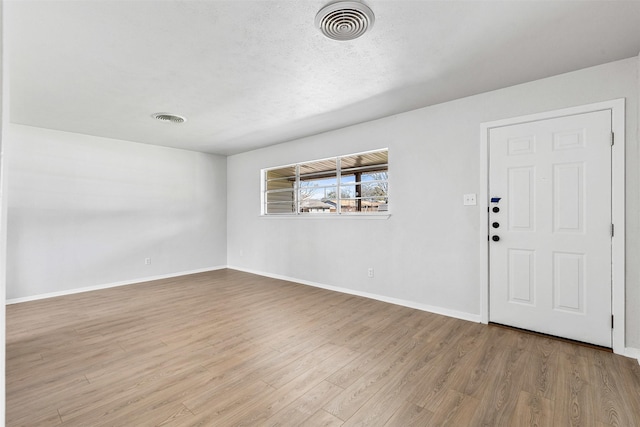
column 4, row 119
column 86, row 211
column 427, row 252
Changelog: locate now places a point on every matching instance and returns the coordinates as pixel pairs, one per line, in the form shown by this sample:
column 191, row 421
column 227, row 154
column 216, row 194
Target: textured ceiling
column 248, row 74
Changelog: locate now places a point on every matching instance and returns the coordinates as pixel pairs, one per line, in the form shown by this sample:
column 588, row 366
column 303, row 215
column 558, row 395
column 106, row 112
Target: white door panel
column 551, row 269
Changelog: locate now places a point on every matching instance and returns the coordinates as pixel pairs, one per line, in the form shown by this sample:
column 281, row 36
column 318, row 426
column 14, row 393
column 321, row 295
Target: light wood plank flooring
column 227, row 348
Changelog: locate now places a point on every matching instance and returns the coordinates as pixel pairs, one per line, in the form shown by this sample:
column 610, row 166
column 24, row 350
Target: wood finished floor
column 227, row 348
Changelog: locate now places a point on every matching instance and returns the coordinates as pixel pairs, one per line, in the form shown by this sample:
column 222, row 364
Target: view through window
column 356, row 183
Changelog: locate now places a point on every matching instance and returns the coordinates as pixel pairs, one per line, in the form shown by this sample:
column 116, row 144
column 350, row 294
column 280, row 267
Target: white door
column 550, row 270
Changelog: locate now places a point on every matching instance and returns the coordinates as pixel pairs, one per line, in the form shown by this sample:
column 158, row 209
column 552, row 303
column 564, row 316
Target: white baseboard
column 405, row 303
column 109, row 285
column 633, row 353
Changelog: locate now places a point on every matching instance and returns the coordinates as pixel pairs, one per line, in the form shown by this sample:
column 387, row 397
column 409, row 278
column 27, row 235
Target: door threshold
column 566, row 340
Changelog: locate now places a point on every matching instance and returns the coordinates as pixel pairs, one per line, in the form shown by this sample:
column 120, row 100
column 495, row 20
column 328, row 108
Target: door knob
column 495, row 238
column 495, row 225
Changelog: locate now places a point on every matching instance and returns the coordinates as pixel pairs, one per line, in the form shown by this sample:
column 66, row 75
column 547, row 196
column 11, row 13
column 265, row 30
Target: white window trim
column 311, row 215
column 331, row 217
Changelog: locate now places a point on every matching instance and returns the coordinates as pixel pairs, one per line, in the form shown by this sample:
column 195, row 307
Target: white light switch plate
column 469, row 199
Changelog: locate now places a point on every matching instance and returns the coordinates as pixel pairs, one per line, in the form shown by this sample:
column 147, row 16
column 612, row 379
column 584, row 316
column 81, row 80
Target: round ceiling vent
column 344, row 20
column 167, row 117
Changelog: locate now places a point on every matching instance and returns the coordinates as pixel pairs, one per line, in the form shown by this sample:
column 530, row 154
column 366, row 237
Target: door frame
column 617, row 108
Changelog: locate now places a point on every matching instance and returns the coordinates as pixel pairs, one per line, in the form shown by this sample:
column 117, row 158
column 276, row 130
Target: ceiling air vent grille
column 345, row 20
column 167, row 117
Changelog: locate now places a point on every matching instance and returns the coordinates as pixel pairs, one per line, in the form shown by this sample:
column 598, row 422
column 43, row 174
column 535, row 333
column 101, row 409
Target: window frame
column 336, row 173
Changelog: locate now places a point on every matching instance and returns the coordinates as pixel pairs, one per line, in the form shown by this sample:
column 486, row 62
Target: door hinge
column 613, row 230
column 612, row 321
column 612, row 138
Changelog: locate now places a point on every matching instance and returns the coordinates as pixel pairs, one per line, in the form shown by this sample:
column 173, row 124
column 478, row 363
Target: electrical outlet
column 370, row 272
column 469, row 199
column 147, row 261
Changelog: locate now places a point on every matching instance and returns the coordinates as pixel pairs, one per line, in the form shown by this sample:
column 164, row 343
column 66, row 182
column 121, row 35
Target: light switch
column 469, row 199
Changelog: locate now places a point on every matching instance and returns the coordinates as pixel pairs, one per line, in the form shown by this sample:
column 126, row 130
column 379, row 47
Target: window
column 353, row 184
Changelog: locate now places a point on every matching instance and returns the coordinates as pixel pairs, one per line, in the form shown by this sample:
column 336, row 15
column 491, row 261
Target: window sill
column 361, row 216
